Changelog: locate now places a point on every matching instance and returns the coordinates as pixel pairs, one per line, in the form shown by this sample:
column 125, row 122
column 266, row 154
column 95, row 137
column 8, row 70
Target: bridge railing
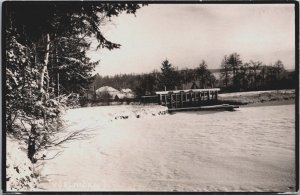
column 187, row 98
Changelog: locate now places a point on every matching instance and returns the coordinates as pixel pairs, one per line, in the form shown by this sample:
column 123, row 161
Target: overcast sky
column 186, row 34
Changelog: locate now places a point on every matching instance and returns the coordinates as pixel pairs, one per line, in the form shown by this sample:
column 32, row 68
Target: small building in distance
column 110, row 93
column 107, row 92
column 128, row 93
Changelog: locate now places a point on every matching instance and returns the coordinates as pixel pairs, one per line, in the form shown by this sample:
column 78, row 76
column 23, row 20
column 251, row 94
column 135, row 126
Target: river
column 251, row 149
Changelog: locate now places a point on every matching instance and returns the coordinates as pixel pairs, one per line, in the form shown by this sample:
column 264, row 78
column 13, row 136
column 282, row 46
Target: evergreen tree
column 204, row 76
column 169, row 77
column 70, row 68
column 147, row 85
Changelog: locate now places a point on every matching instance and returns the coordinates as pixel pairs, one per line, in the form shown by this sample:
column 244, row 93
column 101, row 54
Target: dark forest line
column 234, row 75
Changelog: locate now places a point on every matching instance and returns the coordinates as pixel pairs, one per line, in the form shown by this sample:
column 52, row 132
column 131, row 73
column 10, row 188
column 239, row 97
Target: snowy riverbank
column 254, row 97
column 20, row 173
column 104, row 114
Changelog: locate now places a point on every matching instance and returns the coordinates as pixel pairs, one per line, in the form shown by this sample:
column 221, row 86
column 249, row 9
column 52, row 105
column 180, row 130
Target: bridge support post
column 166, row 100
column 159, row 99
column 175, row 100
column 191, row 97
column 181, row 98
column 171, row 99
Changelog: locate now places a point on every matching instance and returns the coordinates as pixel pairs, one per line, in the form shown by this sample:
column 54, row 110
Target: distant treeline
column 234, row 75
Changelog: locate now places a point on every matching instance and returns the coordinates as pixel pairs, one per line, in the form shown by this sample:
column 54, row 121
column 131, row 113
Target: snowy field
column 252, row 149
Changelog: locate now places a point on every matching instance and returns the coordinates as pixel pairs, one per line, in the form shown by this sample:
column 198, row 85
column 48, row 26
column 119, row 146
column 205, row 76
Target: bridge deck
column 214, row 107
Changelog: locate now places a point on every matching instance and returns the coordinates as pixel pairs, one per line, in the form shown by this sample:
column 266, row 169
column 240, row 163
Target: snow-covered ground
column 252, row 149
column 20, row 173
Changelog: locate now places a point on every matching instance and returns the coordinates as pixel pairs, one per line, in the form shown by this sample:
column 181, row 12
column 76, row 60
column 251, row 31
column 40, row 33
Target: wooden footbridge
column 187, row 98
column 193, row 99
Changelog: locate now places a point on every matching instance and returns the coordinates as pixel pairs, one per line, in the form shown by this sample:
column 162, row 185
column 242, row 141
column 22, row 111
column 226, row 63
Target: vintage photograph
column 144, row 97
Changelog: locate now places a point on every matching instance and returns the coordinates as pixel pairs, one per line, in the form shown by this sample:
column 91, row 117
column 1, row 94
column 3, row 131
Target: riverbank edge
column 259, row 98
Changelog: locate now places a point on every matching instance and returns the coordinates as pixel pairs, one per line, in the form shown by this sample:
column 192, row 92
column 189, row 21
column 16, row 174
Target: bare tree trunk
column 33, row 132
column 56, row 57
column 46, row 61
column 58, row 85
